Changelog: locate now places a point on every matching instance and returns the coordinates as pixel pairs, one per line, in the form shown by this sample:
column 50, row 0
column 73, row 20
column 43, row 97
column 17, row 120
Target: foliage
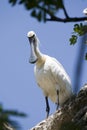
column 47, row 10
column 40, row 8
column 78, row 30
column 5, row 118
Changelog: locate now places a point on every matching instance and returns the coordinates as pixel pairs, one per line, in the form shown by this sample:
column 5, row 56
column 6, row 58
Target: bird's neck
column 37, row 52
column 40, row 56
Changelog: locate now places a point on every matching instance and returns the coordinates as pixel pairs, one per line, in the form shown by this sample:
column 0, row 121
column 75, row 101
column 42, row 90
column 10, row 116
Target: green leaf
column 21, row 1
column 33, row 13
column 14, row 113
column 73, row 39
column 5, row 117
column 80, row 29
column 76, row 28
column 13, row 2
column 60, row 3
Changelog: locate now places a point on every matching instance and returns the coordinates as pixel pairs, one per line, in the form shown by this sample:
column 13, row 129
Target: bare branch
column 64, row 20
column 65, row 12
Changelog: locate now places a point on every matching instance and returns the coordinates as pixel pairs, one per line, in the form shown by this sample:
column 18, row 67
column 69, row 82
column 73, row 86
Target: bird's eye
column 33, row 35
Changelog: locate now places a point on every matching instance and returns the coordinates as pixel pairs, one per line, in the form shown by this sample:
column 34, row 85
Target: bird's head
column 31, row 35
column 33, row 44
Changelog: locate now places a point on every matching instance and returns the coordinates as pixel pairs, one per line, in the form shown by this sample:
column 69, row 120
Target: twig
column 65, row 12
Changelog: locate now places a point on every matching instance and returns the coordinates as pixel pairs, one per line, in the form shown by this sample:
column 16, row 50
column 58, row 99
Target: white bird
column 50, row 75
column 85, row 11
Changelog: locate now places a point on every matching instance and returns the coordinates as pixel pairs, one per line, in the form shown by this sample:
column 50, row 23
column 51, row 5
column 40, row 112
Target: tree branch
column 71, row 116
column 65, row 12
column 64, row 20
column 57, row 19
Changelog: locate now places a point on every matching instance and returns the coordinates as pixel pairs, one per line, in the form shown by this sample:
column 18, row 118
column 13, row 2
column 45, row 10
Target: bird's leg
column 57, row 99
column 47, row 107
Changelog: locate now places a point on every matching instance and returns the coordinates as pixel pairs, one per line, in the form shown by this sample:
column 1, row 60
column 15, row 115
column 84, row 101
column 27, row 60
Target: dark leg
column 57, row 99
column 47, row 107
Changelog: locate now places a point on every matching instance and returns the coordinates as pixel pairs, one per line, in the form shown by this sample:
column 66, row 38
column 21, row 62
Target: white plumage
column 50, row 74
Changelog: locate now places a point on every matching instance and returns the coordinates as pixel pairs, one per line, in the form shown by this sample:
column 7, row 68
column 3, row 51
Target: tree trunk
column 72, row 116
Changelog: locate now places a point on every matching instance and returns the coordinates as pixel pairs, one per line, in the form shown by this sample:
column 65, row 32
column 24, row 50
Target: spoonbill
column 50, row 75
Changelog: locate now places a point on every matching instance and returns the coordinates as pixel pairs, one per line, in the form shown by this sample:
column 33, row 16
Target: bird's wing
column 59, row 74
column 61, row 68
column 58, row 63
